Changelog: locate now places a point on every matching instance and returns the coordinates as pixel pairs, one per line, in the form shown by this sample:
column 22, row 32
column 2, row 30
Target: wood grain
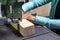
column 26, row 27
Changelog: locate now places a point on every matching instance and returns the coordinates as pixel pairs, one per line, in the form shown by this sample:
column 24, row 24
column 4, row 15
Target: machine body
column 13, row 9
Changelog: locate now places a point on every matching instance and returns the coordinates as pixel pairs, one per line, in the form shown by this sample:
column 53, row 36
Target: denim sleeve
column 41, row 20
column 34, row 4
column 52, row 23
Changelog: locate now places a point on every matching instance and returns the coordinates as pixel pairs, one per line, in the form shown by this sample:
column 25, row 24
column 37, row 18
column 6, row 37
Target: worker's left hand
column 28, row 17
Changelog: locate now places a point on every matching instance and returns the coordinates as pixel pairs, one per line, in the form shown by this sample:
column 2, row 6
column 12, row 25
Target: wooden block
column 26, row 27
column 14, row 25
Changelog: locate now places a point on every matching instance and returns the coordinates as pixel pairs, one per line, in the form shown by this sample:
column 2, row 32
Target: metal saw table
column 42, row 33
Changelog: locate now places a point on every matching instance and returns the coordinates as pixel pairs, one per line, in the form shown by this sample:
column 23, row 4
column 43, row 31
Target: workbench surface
column 42, row 33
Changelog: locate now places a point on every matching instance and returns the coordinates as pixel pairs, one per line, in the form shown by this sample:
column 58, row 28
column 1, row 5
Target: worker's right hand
column 28, row 17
